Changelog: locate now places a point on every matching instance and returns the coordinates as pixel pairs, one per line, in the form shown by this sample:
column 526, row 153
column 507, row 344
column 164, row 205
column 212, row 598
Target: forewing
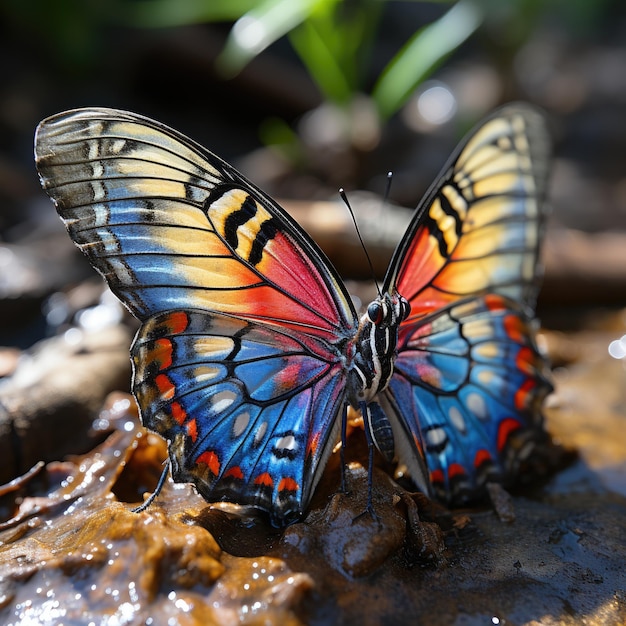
column 465, row 397
column 250, row 412
column 478, row 229
column 171, row 226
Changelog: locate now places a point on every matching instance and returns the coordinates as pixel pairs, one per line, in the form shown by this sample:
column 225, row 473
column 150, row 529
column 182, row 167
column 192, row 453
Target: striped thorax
column 375, row 347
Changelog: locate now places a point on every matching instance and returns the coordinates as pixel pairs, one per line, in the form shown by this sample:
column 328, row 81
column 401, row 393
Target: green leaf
column 321, row 62
column 267, row 22
column 426, row 49
column 171, row 13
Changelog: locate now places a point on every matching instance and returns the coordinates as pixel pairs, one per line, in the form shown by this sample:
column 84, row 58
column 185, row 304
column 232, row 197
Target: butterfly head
column 387, row 311
column 375, row 345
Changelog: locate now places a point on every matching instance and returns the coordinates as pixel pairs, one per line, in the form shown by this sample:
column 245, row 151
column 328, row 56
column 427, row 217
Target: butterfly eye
column 405, row 308
column 375, row 312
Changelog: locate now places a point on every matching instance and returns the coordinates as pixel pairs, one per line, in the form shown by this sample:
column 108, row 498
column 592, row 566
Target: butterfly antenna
column 344, row 197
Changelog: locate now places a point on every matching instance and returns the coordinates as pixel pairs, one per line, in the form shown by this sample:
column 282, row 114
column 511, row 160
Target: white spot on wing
column 222, row 400
column 109, row 240
column 260, row 433
column 98, row 189
column 94, row 150
column 286, row 443
column 477, row 405
column 456, row 418
column 241, row 423
column 121, row 270
column 101, row 214
column 435, row 437
column 117, row 146
column 97, row 169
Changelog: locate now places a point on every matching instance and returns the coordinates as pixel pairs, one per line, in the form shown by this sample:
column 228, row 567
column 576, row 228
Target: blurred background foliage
column 347, row 67
column 301, row 75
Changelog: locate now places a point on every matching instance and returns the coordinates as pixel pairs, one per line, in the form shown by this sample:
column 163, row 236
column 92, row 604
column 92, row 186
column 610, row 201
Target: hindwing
column 249, row 410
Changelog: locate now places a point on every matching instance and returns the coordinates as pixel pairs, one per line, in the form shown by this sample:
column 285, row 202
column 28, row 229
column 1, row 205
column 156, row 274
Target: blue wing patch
column 467, row 379
column 250, row 411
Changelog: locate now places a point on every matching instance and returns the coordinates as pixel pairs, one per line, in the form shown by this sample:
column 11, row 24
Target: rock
column 47, row 407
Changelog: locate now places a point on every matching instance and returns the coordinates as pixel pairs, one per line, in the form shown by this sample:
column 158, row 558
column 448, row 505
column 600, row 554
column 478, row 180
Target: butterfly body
column 250, row 349
column 374, row 348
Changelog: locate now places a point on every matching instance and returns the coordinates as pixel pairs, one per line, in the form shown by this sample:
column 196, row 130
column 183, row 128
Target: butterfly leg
column 153, row 496
column 369, row 507
column 342, row 454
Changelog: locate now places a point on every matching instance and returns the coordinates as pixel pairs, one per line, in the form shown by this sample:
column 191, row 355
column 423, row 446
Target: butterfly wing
column 249, row 410
column 179, row 234
column 465, row 397
column 478, row 229
column 171, row 226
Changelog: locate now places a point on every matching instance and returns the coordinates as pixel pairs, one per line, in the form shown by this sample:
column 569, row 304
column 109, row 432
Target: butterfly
column 250, row 349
